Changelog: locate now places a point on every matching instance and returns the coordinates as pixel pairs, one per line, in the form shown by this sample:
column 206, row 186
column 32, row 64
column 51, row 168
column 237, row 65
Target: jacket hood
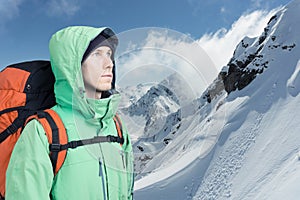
column 67, row 48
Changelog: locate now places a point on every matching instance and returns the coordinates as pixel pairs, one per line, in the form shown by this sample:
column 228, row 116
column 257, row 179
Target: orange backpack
column 27, row 93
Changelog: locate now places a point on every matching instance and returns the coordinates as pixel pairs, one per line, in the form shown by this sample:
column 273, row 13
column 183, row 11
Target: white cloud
column 163, row 51
column 221, row 45
column 62, row 7
column 8, row 10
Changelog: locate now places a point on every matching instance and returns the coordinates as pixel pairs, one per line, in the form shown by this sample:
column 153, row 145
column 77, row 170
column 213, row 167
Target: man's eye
column 109, row 54
column 97, row 53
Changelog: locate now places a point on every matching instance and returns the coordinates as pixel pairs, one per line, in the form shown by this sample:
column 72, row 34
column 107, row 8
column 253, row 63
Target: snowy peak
column 157, row 102
column 132, row 94
column 252, row 55
column 148, row 114
column 155, row 112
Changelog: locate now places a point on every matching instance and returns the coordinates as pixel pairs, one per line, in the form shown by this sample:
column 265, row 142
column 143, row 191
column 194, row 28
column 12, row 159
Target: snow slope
column 242, row 141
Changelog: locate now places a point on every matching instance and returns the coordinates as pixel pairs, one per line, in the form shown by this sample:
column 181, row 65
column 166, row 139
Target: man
column 82, row 60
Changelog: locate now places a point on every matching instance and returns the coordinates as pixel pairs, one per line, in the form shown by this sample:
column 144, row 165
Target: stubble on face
column 97, row 72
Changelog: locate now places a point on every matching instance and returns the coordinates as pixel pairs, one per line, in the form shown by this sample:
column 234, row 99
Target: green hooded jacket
column 101, row 171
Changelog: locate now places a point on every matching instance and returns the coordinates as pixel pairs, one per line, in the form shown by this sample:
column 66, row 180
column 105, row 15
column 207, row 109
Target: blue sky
column 27, row 25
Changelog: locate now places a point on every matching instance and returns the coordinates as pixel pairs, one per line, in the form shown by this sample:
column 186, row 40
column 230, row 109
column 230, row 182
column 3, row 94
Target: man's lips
column 107, row 75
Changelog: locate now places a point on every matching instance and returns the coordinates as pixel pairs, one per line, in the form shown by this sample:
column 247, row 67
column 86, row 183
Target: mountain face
column 155, row 114
column 240, row 139
column 132, row 94
column 249, row 59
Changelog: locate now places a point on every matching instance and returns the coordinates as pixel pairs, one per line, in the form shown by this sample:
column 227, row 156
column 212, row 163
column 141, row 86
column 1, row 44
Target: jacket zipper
column 123, row 159
column 102, row 178
column 132, row 185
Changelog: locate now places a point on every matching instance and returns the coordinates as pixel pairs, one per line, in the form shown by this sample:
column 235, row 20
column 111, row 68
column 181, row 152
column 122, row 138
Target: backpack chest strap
column 58, row 138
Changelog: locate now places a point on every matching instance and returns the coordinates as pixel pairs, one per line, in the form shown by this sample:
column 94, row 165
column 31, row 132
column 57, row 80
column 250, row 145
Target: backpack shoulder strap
column 95, row 140
column 56, row 134
column 119, row 128
column 58, row 139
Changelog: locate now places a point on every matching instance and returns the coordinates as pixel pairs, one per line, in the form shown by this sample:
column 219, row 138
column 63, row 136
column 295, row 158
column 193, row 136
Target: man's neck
column 93, row 94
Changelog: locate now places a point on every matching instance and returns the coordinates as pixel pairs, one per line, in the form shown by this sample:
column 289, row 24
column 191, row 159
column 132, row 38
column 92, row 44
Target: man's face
column 97, row 72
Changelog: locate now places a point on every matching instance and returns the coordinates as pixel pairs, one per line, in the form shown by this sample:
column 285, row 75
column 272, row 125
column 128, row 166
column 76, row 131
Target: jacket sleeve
column 29, row 174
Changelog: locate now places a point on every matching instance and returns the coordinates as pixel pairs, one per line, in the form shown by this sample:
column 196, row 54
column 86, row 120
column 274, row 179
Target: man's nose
column 109, row 63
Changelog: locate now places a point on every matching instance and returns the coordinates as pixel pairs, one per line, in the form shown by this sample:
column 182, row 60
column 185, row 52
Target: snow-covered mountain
column 153, row 116
column 240, row 139
column 131, row 94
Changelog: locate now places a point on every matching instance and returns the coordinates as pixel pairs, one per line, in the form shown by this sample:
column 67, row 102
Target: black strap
column 17, row 123
column 55, row 136
column 56, row 147
column 11, row 109
column 1, row 197
column 78, row 143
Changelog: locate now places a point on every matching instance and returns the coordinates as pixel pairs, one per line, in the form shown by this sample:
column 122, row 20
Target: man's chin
column 103, row 89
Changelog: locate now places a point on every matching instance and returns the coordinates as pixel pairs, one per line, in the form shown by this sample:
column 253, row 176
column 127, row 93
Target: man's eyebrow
column 103, row 50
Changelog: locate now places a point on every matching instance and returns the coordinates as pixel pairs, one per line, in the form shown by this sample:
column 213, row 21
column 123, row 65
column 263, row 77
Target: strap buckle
column 55, row 147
